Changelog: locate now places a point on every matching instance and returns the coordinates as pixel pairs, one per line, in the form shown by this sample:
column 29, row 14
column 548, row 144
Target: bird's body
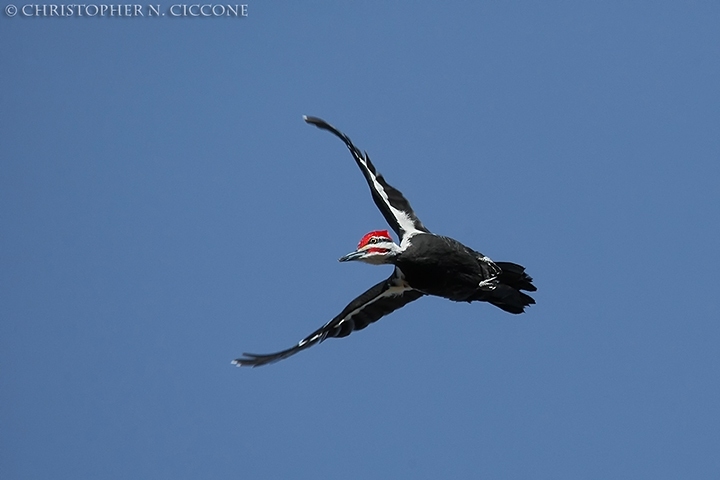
column 425, row 264
column 441, row 266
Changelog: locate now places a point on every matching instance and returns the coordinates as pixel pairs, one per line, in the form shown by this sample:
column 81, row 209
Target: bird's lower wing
column 380, row 300
column 390, row 201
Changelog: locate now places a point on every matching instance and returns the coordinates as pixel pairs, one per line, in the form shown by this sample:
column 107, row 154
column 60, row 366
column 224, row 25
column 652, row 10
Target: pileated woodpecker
column 425, row 264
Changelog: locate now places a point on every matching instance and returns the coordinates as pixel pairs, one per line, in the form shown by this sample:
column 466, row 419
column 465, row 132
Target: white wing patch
column 403, row 219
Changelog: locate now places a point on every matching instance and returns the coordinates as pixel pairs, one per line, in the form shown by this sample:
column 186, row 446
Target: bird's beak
column 356, row 255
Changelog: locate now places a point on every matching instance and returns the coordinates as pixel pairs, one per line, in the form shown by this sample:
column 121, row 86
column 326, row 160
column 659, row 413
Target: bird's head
column 376, row 248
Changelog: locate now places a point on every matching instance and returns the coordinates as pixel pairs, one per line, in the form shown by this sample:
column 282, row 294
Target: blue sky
column 164, row 208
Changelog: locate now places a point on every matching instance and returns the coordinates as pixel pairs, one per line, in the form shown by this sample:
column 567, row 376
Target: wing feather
column 380, row 300
column 390, row 201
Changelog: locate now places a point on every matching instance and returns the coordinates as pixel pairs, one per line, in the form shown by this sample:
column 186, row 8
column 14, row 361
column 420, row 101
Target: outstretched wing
column 385, row 297
column 392, row 204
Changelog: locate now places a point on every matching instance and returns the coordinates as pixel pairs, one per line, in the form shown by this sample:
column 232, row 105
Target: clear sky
column 164, row 208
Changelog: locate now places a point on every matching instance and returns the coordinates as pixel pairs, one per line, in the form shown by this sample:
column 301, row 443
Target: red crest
column 377, row 233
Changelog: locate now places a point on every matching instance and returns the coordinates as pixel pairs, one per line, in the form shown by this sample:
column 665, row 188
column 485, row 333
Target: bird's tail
column 507, row 295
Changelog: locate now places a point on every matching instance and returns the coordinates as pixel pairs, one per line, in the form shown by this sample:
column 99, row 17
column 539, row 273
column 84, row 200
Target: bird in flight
column 425, row 264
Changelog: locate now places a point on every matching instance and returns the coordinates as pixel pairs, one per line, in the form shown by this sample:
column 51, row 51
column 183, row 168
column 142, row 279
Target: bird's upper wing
column 392, row 204
column 385, row 297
